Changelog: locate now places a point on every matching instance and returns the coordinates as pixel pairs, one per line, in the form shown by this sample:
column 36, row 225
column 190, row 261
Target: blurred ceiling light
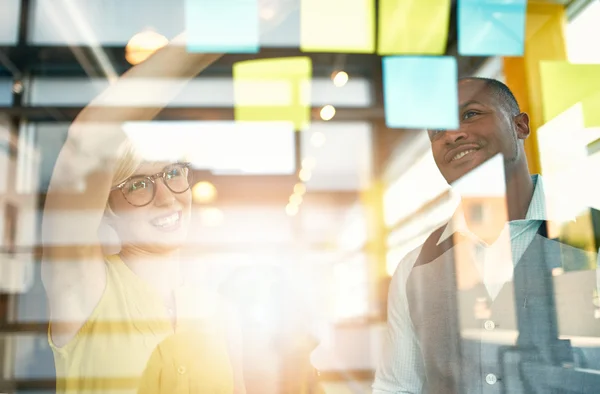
column 327, row 112
column 204, row 192
column 143, row 45
column 557, row 271
column 18, row 87
column 317, row 139
column 295, row 199
column 211, row 217
column 340, row 78
column 305, row 175
column 299, row 189
column 267, row 13
column 291, row 209
column 309, row 163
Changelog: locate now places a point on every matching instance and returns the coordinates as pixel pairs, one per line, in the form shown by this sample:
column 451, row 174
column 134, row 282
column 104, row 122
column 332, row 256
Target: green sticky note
column 346, row 26
column 273, row 90
column 418, row 27
column 565, row 84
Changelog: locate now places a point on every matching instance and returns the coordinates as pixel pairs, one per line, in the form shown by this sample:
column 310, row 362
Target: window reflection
column 306, row 232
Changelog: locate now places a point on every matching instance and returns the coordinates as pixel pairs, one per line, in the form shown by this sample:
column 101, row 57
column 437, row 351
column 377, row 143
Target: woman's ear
column 522, row 125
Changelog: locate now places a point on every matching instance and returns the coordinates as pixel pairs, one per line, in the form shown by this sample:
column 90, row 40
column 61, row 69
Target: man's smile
column 460, row 152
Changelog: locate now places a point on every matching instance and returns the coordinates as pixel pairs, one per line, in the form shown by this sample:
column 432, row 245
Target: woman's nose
column 164, row 196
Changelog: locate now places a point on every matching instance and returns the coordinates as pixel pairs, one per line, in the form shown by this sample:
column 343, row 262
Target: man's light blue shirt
column 401, row 368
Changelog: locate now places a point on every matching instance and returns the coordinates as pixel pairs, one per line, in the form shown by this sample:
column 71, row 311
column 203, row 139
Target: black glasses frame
column 152, row 178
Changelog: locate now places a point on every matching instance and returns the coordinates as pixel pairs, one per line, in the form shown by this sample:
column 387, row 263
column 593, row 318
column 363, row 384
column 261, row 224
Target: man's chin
column 464, row 169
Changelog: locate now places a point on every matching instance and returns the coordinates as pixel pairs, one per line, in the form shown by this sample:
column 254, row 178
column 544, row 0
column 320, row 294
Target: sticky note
column 491, row 27
column 565, row 84
column 216, row 26
column 420, row 92
column 591, row 115
column 337, row 26
column 413, row 27
column 273, row 90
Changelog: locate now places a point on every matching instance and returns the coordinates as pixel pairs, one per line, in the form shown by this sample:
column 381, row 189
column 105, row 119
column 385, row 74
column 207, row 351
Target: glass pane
column 6, row 94
column 9, row 22
column 202, row 92
column 114, row 22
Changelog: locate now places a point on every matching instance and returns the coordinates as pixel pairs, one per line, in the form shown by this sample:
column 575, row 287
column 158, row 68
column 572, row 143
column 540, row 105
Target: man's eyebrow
column 466, row 104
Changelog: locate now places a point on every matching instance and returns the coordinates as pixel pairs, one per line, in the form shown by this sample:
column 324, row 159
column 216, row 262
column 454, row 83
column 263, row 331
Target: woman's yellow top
column 129, row 344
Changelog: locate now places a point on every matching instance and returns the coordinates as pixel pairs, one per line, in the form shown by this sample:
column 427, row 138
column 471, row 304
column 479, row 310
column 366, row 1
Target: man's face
column 486, row 128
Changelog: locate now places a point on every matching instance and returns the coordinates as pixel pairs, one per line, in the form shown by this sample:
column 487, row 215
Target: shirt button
column 491, row 379
column 489, row 325
column 181, row 370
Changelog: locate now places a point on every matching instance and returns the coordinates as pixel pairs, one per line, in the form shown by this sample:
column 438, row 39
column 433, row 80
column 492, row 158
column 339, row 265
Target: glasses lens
column 139, row 191
column 178, row 178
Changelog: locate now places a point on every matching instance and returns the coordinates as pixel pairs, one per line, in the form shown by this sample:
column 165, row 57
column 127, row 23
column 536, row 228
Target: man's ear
column 522, row 125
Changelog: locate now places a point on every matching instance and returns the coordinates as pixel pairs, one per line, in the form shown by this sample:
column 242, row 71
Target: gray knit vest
column 467, row 340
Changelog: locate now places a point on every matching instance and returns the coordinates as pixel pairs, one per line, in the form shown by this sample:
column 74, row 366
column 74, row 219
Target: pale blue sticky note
column 491, row 27
column 420, row 92
column 215, row 26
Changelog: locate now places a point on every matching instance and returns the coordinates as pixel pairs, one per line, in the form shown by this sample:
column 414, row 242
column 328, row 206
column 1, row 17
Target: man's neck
column 519, row 192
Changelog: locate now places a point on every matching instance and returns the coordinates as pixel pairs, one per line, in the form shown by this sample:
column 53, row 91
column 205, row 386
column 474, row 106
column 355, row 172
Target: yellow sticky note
column 273, row 90
column 591, row 114
column 565, row 84
column 346, row 26
column 413, row 27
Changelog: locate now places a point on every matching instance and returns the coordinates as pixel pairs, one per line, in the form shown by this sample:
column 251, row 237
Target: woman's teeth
column 166, row 221
column 462, row 154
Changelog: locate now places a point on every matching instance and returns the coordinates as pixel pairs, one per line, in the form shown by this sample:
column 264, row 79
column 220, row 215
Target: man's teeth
column 166, row 221
column 462, row 154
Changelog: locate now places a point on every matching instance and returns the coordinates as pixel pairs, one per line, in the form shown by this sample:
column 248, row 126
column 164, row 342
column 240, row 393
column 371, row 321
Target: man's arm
column 401, row 366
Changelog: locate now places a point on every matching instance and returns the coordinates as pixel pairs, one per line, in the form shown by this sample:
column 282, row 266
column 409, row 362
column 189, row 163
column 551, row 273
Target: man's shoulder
column 406, row 263
column 420, row 253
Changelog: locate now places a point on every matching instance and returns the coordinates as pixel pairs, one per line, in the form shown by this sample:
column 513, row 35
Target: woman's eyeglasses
column 140, row 190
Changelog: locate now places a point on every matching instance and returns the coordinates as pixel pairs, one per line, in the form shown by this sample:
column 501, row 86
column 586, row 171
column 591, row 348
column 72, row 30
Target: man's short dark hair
column 501, row 91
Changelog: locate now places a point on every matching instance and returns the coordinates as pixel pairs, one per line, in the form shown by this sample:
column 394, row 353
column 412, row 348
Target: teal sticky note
column 420, row 92
column 491, row 27
column 217, row 26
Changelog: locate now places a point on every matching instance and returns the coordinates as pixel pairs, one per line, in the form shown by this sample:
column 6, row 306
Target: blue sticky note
column 420, row 92
column 215, row 26
column 491, row 27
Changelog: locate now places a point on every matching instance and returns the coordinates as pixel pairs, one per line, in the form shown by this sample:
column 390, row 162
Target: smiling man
column 445, row 337
column 490, row 123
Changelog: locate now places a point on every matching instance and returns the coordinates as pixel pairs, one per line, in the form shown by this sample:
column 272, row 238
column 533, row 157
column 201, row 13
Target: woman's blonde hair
column 128, row 161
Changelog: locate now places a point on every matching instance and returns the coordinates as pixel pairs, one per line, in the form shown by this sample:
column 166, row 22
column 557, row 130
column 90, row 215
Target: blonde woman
column 129, row 322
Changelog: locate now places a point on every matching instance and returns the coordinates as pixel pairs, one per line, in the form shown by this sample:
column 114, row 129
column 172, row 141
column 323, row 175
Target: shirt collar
column 536, row 211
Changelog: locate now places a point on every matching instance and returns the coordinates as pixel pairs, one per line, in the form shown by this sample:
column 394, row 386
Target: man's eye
column 434, row 132
column 469, row 114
